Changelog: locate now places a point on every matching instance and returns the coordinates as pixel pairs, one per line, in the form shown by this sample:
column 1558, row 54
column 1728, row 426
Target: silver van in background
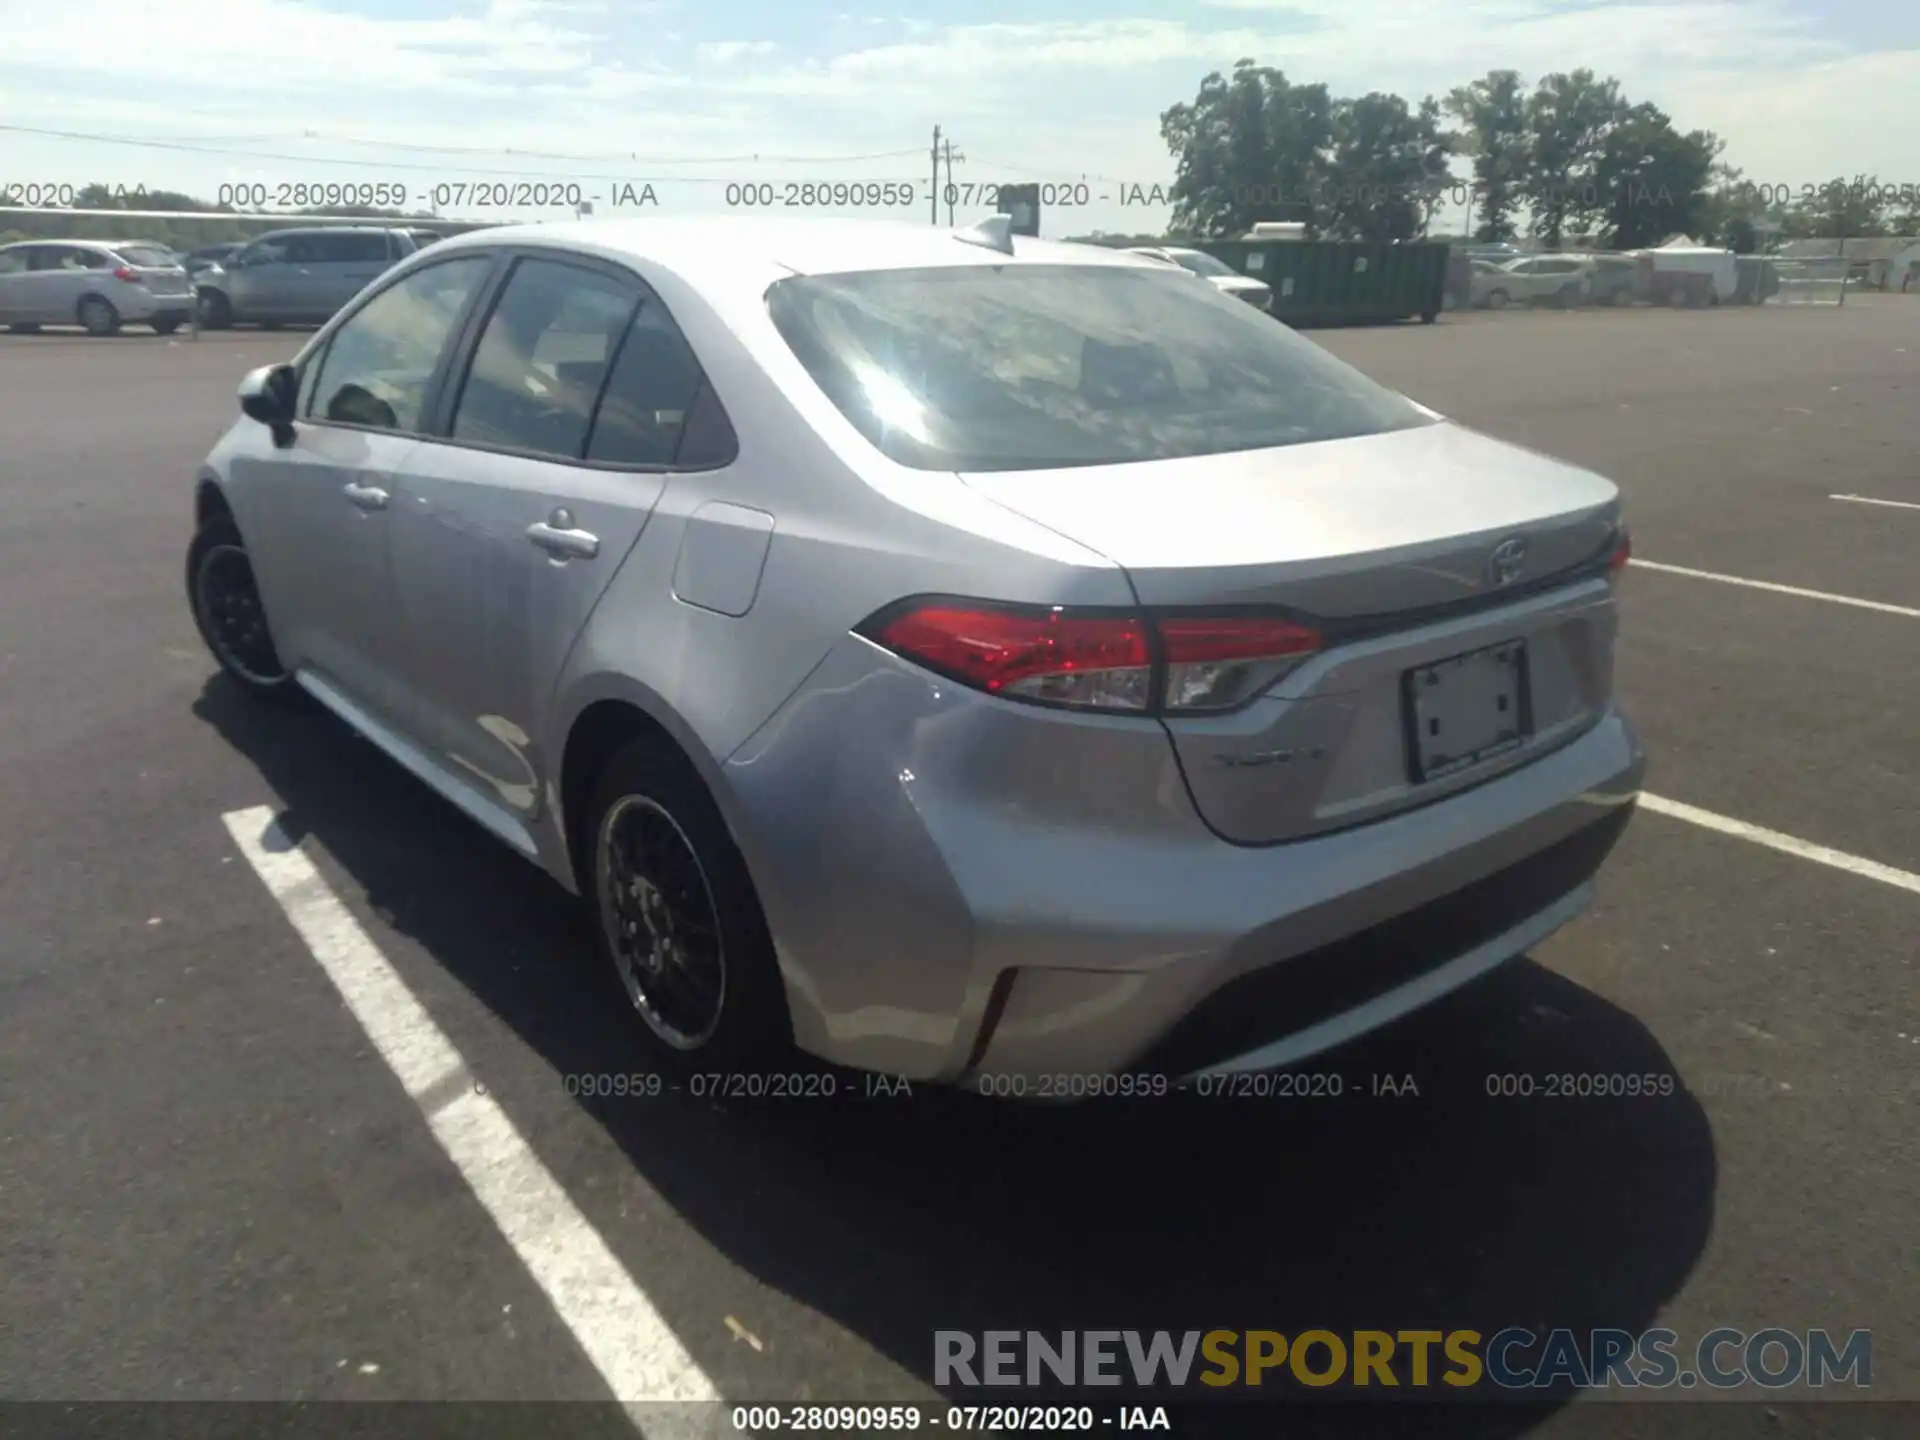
column 298, row 276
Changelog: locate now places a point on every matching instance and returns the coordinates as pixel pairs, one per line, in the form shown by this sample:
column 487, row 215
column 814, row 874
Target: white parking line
column 1786, row 844
column 618, row 1328
column 1870, row 500
column 1879, row 605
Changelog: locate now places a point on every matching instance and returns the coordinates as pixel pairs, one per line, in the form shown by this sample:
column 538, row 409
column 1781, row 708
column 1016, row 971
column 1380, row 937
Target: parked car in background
column 99, row 285
column 956, row 654
column 1616, row 280
column 1541, row 279
column 198, row 260
column 423, row 238
column 298, row 276
column 1222, row 276
column 1484, row 278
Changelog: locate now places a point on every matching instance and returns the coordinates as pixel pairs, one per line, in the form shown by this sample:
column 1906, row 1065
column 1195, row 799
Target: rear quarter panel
column 851, row 532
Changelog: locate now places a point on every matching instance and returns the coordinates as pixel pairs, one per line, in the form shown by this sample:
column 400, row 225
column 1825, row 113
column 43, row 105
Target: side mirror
column 270, row 395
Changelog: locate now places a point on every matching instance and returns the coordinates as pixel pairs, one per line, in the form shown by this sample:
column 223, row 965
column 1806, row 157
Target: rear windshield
column 147, row 257
column 1034, row 367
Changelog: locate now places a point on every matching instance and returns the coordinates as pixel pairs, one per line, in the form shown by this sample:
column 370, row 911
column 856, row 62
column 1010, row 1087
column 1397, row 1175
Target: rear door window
column 658, row 408
column 67, row 257
column 312, row 249
column 347, row 247
column 542, row 360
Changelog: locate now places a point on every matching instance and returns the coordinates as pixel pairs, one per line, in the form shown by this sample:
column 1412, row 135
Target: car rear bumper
column 138, row 305
column 949, row 901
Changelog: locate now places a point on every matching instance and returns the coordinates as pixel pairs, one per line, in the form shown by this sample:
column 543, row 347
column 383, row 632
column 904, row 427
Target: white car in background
column 1217, row 273
column 98, row 285
column 1536, row 279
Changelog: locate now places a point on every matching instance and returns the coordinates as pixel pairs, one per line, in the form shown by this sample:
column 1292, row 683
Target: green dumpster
column 1342, row 282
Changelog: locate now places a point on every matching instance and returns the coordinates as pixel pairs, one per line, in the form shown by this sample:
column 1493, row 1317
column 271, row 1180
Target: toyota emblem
column 1509, row 558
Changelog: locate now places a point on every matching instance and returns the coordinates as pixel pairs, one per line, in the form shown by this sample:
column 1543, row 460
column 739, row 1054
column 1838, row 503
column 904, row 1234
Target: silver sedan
column 964, row 657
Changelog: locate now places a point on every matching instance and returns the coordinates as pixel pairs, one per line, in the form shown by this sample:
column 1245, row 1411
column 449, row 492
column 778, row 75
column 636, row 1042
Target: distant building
column 1884, row 262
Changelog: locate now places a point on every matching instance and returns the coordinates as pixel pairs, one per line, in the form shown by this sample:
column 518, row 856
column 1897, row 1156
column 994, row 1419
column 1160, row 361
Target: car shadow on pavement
column 1440, row 1207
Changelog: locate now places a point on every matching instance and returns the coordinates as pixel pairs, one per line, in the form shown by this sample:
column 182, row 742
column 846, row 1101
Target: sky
column 698, row 98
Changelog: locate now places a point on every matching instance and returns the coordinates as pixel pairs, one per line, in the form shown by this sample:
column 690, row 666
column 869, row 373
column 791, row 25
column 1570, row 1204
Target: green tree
column 1387, row 170
column 1250, row 147
column 1494, row 111
column 1842, row 209
column 1744, row 216
column 1739, row 236
column 1652, row 180
column 1570, row 117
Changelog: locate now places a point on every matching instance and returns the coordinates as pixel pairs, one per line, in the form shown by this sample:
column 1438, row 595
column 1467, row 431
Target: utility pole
column 951, row 157
column 933, row 217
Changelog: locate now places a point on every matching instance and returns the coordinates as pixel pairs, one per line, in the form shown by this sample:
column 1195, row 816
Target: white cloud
column 1053, row 97
column 720, row 52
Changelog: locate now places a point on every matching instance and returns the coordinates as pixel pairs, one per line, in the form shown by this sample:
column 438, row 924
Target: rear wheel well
column 600, row 732
column 209, row 505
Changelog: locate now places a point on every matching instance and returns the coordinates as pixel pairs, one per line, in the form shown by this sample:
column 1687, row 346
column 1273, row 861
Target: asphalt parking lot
column 213, row 1188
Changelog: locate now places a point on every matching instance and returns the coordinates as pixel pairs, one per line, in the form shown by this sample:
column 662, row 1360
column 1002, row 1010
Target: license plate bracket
column 1466, row 709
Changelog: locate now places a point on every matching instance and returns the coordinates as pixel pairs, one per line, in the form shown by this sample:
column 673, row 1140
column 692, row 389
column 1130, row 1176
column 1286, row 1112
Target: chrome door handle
column 367, row 497
column 557, row 536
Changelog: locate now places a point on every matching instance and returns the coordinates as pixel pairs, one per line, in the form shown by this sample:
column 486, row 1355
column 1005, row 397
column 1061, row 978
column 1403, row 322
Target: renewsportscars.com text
column 1516, row 1358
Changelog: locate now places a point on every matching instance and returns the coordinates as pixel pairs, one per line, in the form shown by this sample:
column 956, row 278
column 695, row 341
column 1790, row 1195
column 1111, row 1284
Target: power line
column 1055, row 175
column 603, row 158
column 611, row 156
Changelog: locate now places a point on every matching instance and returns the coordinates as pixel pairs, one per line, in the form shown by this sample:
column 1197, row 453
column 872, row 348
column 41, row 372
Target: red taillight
column 1181, row 662
column 1045, row 655
column 1622, row 552
column 128, row 273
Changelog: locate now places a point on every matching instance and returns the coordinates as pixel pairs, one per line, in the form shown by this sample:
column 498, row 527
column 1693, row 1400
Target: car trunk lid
column 1374, row 526
column 1405, row 550
column 155, row 269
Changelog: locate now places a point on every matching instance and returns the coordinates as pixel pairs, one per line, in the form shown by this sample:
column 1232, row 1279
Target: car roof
column 705, row 249
column 328, row 230
column 84, row 244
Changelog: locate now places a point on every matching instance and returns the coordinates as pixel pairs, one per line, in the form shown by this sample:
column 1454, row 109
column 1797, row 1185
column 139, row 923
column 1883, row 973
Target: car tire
column 163, row 327
column 216, row 311
column 1497, row 300
column 227, row 611
column 676, row 919
column 97, row 316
